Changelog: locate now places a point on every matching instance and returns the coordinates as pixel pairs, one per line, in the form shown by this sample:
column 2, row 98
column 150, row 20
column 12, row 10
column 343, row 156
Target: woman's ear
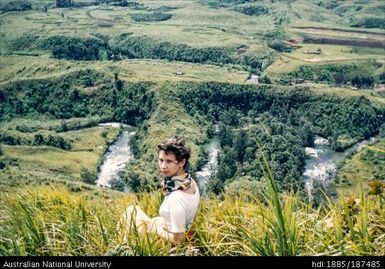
column 182, row 162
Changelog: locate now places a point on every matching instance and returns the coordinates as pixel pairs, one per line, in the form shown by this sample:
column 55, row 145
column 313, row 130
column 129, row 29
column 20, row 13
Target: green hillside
column 264, row 78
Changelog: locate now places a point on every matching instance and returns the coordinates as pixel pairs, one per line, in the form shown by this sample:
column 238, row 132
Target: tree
column 381, row 132
column 215, row 185
column 87, row 176
column 339, row 78
column 63, row 3
column 63, row 126
column 17, row 5
column 133, row 181
column 225, row 136
column 38, row 140
column 362, row 81
column 117, row 184
column 382, row 77
column 240, row 144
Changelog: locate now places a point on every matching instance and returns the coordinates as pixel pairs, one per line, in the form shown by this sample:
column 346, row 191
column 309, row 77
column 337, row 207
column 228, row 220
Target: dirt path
column 98, row 20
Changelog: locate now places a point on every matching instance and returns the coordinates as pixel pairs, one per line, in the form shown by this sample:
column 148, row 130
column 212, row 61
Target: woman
column 181, row 201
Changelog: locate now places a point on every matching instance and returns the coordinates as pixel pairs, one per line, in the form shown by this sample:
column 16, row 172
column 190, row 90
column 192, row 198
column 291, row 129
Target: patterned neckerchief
column 174, row 183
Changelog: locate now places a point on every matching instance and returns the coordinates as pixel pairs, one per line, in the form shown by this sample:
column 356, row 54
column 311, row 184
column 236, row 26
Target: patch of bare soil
column 317, row 35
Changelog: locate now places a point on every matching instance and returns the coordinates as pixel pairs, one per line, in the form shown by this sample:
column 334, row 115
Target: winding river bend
column 117, row 156
column 322, row 161
column 321, row 164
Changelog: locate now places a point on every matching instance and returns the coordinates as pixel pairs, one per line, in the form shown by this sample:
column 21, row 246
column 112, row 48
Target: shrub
column 252, row 10
column 63, row 3
column 74, row 48
column 87, row 176
column 150, row 17
column 117, row 184
column 370, row 22
column 280, row 46
column 382, row 77
column 2, row 164
column 254, row 188
column 16, row 5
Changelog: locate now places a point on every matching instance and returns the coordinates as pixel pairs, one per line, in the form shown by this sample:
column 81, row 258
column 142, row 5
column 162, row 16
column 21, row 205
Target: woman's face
column 169, row 165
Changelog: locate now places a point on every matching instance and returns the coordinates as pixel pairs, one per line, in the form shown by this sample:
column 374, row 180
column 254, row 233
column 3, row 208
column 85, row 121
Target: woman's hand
column 178, row 238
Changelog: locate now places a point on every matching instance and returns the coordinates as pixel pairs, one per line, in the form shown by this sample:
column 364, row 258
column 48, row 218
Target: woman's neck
column 181, row 174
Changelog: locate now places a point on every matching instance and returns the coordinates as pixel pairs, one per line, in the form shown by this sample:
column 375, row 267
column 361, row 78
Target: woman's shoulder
column 193, row 189
column 191, row 192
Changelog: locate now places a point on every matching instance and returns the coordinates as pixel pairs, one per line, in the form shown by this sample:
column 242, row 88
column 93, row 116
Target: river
column 210, row 168
column 322, row 161
column 321, row 164
column 116, row 157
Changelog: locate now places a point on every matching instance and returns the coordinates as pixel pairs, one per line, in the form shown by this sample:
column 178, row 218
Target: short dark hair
column 177, row 146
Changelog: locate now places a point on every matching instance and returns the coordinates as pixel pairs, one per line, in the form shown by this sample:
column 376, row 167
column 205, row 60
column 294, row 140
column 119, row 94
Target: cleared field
column 329, row 54
column 351, row 33
column 346, row 92
column 38, row 164
column 53, row 159
column 323, row 25
column 24, row 67
column 333, row 14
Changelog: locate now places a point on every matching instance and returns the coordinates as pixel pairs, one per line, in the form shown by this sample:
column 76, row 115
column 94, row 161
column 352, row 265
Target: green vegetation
column 73, row 48
column 358, row 75
column 362, row 167
column 64, row 98
column 127, row 70
column 54, row 221
column 169, row 118
column 252, row 10
column 370, row 22
column 150, row 17
column 39, row 165
column 288, row 125
column 190, row 68
column 38, row 139
column 128, row 46
column 17, row 5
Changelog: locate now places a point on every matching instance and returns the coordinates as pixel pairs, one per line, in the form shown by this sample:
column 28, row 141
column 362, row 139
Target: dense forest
column 283, row 122
column 68, row 97
column 101, row 47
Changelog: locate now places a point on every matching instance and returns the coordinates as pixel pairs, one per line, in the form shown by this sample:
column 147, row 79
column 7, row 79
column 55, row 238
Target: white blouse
column 178, row 210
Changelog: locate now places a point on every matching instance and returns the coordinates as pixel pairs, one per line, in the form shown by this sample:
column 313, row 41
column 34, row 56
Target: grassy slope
column 24, row 67
column 192, row 23
column 53, row 221
column 330, row 54
column 41, row 165
column 357, row 171
column 231, row 227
